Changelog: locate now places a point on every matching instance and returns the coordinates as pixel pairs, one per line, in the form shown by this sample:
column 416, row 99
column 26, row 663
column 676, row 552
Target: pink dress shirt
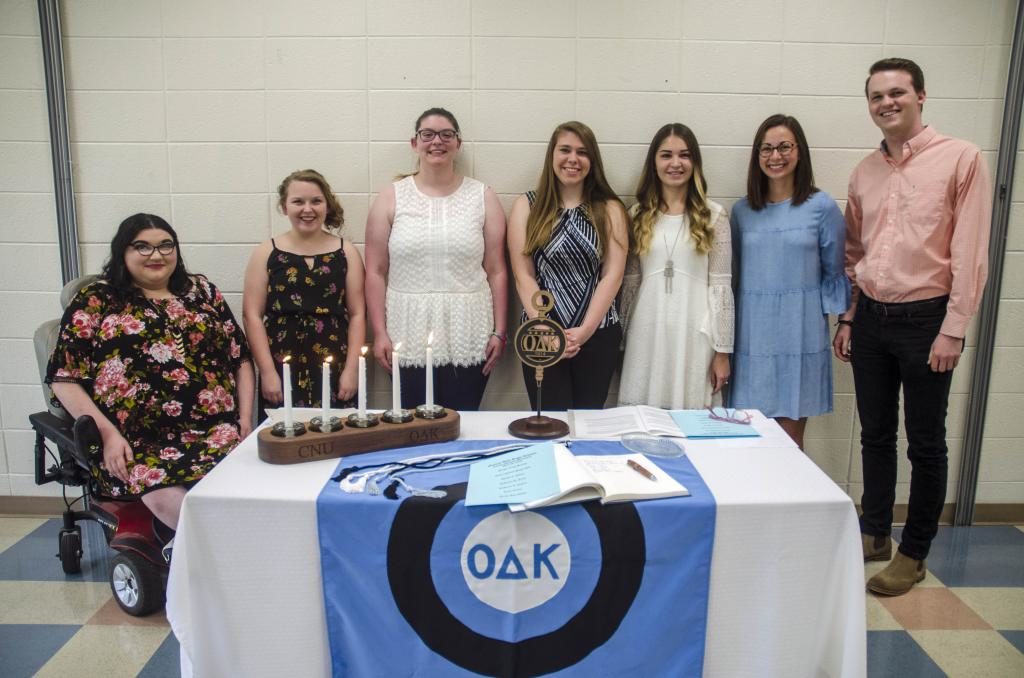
column 919, row 229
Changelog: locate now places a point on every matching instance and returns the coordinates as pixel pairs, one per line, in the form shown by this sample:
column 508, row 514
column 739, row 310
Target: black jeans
column 890, row 348
column 460, row 388
column 579, row 383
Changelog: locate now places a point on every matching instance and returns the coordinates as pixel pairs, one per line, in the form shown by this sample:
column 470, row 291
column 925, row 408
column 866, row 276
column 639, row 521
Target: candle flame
column 430, row 338
column 362, row 351
column 397, row 346
column 328, row 359
column 286, row 358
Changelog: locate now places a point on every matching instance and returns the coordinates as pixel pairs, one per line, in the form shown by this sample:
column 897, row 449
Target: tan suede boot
column 898, row 577
column 876, row 548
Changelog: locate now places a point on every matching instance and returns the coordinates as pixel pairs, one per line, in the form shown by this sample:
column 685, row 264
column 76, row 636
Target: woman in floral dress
column 155, row 356
column 304, row 298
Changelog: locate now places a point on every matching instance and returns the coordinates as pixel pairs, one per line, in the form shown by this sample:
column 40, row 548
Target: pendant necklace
column 669, row 264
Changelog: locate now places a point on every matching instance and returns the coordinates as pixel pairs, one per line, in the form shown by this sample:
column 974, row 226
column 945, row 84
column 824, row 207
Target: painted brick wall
column 195, row 109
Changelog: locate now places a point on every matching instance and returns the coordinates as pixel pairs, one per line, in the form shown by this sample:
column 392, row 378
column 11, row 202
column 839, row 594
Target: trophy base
column 538, row 427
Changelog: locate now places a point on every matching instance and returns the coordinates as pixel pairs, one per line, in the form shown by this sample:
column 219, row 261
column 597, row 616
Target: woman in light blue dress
column 788, row 241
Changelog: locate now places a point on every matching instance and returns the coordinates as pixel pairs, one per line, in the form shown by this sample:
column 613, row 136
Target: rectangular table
column 787, row 580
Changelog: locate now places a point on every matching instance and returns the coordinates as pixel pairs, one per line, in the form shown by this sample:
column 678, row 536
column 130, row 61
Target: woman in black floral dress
column 304, row 298
column 155, row 356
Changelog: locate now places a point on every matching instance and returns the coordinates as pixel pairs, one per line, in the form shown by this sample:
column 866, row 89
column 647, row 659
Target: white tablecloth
column 787, row 580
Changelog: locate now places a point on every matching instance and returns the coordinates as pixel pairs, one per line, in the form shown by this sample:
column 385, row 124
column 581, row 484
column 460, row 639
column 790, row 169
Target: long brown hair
column 596, row 192
column 648, row 194
column 335, row 218
column 803, row 176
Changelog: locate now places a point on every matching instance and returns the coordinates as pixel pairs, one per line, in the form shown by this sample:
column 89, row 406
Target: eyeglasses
column 429, row 134
column 784, row 149
column 145, row 249
column 730, row 415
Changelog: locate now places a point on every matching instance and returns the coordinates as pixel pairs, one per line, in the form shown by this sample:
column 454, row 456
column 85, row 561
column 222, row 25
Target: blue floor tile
column 26, row 647
column 978, row 556
column 894, row 654
column 1016, row 639
column 34, row 557
column 165, row 662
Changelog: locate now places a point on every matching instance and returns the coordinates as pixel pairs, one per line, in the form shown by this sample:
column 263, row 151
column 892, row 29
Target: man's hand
column 842, row 342
column 945, row 353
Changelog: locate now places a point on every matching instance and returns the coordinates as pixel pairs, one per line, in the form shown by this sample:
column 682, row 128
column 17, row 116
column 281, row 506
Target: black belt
column 906, row 309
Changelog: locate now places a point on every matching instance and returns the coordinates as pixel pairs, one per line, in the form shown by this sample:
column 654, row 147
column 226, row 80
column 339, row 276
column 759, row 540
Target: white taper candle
column 362, row 383
column 396, row 380
column 430, row 372
column 325, row 392
column 286, row 388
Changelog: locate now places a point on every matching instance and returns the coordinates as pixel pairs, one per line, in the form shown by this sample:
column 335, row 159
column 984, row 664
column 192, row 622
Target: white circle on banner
column 515, row 561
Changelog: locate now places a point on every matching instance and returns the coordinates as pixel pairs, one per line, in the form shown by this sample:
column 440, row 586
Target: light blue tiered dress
column 789, row 276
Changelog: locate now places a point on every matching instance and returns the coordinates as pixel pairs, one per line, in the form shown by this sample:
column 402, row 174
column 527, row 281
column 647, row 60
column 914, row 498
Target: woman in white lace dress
column 435, row 265
column 679, row 314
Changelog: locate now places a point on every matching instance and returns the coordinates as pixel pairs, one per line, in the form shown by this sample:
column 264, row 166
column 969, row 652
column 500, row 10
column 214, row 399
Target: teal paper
column 514, row 478
column 699, row 424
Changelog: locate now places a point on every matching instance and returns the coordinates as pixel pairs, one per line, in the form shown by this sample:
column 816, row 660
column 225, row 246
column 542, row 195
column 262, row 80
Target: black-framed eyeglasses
column 784, row 149
column 730, row 415
column 429, row 134
column 145, row 249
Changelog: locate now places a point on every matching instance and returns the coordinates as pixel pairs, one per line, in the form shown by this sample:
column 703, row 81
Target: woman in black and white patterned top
column 570, row 237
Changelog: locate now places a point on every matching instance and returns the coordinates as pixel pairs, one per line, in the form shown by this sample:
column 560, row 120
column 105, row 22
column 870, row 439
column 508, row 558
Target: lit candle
column 430, row 372
column 286, row 387
column 362, row 383
column 325, row 393
column 396, row 380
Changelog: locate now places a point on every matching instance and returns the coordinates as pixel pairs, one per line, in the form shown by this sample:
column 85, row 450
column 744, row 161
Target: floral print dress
column 163, row 371
column 306, row 318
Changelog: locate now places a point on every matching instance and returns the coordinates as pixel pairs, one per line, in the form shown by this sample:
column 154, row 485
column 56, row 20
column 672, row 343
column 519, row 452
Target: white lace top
column 436, row 279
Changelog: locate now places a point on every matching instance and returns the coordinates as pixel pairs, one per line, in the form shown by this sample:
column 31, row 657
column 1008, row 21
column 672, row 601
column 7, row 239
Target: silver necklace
column 670, row 267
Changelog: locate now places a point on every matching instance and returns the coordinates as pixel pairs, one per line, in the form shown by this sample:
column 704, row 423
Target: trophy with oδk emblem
column 540, row 343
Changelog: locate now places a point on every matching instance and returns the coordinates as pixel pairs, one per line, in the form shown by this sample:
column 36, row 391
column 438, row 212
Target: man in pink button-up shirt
column 917, row 229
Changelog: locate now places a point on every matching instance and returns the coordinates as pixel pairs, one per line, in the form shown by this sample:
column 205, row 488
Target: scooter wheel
column 136, row 584
column 71, row 550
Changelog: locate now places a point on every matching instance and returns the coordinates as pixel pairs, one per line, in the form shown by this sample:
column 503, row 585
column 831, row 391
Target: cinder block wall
column 195, row 109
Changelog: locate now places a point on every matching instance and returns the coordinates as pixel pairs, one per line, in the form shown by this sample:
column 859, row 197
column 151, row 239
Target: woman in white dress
column 435, row 265
column 680, row 316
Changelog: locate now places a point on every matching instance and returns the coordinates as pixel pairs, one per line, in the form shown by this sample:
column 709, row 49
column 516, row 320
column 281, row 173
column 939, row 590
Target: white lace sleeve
column 720, row 300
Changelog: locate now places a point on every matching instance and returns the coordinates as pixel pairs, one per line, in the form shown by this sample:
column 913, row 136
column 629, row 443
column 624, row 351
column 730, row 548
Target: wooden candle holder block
column 314, row 445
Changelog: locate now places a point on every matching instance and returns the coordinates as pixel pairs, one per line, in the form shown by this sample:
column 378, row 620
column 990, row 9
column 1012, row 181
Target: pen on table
column 641, row 470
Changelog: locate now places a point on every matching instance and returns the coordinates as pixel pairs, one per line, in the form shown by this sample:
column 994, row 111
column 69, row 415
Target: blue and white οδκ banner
column 429, row 587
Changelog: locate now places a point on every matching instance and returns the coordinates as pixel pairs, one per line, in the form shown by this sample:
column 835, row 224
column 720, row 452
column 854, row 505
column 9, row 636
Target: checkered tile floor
column 965, row 619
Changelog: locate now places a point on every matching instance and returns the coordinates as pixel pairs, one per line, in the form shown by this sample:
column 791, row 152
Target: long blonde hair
column 648, row 195
column 596, row 193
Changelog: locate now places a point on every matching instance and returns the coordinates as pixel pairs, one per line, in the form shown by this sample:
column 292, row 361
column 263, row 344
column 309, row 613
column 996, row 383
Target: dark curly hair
column 115, row 272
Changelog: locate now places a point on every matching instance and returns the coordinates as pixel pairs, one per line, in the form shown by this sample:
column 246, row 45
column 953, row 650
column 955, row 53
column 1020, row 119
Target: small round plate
column 652, row 446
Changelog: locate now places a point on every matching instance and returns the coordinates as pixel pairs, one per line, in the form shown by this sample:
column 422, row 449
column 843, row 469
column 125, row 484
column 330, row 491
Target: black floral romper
column 306, row 319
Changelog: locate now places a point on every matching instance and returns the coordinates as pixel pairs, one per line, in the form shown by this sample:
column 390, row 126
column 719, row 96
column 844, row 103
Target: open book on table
column 618, row 421
column 608, row 478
